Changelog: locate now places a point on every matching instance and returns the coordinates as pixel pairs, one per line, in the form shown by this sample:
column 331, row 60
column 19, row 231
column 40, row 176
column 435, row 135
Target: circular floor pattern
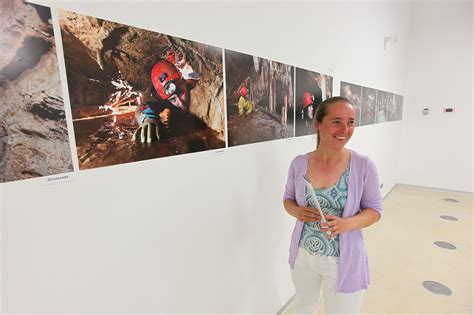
column 445, row 245
column 437, row 288
column 448, row 217
column 451, row 200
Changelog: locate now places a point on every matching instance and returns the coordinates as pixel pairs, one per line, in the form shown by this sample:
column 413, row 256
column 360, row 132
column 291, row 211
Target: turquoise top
column 332, row 201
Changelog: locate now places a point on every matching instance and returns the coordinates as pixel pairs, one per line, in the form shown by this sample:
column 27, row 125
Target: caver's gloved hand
column 148, row 131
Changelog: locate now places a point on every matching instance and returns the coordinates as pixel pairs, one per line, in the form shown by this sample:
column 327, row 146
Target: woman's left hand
column 335, row 225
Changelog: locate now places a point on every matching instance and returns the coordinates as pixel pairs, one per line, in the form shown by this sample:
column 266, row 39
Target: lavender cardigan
column 363, row 192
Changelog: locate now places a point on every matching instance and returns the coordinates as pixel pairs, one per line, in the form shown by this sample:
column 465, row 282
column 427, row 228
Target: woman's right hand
column 306, row 214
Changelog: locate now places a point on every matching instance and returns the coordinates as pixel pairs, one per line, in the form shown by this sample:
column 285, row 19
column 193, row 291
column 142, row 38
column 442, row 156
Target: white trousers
column 311, row 273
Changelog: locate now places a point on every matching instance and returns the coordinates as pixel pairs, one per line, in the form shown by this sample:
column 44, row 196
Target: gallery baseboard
column 437, row 189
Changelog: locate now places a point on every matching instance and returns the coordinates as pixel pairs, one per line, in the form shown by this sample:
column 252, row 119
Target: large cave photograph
column 260, row 99
column 312, row 88
column 34, row 139
column 137, row 94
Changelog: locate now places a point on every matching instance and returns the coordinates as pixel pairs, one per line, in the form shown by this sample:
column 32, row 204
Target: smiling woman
column 347, row 188
column 339, row 122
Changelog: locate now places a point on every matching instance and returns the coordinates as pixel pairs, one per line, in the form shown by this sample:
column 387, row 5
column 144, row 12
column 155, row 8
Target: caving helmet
column 166, row 78
column 307, row 99
column 243, row 91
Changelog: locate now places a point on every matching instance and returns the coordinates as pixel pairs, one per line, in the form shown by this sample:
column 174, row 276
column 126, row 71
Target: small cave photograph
column 260, row 99
column 137, row 94
column 34, row 140
column 353, row 93
column 372, row 106
column 382, row 107
column 369, row 100
column 399, row 108
column 392, row 107
column 312, row 88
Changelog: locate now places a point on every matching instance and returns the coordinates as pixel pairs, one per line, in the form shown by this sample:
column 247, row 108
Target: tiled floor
column 402, row 254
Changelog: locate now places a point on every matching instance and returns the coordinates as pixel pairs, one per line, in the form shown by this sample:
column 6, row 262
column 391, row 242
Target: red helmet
column 243, row 91
column 307, row 99
column 165, row 77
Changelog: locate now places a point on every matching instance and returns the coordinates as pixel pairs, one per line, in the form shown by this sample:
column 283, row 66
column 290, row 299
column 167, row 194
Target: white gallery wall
column 437, row 148
column 206, row 232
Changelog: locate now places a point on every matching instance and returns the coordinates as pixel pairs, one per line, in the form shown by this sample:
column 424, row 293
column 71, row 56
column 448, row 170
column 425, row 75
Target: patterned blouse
column 332, row 201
